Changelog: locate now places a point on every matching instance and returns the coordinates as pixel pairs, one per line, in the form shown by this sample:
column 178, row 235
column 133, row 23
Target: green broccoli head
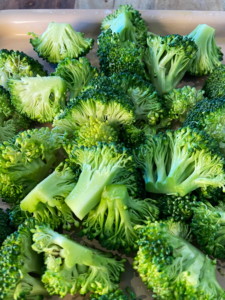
column 117, row 295
column 101, row 165
column 128, row 23
column 181, row 161
column 209, row 54
column 26, row 160
column 172, row 267
column 167, row 59
column 214, row 86
column 71, row 267
column 99, row 100
column 6, row 227
column 46, row 200
column 180, row 101
column 132, row 136
column 38, row 98
column 208, row 225
column 60, row 41
column 15, row 64
column 21, row 267
column 112, row 221
column 76, row 73
column 117, row 56
column 10, row 121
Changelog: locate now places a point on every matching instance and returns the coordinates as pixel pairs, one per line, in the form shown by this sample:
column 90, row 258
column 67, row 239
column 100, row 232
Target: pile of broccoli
column 127, row 158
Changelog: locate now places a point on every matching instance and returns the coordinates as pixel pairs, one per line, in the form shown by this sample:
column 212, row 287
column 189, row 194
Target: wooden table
column 110, row 4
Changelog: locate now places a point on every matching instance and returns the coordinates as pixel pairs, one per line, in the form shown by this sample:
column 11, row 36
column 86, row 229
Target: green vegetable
column 5, row 226
column 71, row 267
column 214, row 86
column 60, row 41
column 112, row 221
column 117, row 295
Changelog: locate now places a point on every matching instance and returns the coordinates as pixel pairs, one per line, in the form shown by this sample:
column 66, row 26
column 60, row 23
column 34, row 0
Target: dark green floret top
column 117, row 295
column 214, row 86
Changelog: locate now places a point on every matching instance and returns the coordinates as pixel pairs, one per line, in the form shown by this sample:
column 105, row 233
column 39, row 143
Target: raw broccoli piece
column 209, row 54
column 26, row 160
column 21, row 267
column 5, row 227
column 117, row 295
column 208, row 115
column 208, row 226
column 100, row 100
column 101, row 165
column 15, row 64
column 172, row 267
column 112, row 221
column 46, row 200
column 181, row 161
column 17, row 216
column 38, row 98
column 132, row 136
column 180, row 101
column 128, row 23
column 117, row 56
column 60, row 41
column 167, row 59
column 210, row 194
column 76, row 73
column 10, row 121
column 214, row 86
column 71, row 267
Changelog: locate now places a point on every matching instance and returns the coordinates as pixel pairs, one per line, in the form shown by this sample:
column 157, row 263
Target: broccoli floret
column 116, row 56
column 172, row 267
column 100, row 100
column 71, row 267
column 21, row 267
column 208, row 115
column 117, row 295
column 167, row 59
column 100, row 166
column 180, row 101
column 208, row 225
column 209, row 54
column 214, row 86
column 26, row 160
column 15, row 64
column 10, row 121
column 6, row 227
column 181, row 161
column 112, row 221
column 94, row 132
column 76, row 73
column 46, row 200
column 38, row 98
column 60, row 41
column 128, row 23
column 210, row 194
column 132, row 136
column 17, row 216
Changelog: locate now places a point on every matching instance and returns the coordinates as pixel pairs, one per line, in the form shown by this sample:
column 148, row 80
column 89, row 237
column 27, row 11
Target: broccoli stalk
column 100, row 166
column 60, row 41
column 172, row 267
column 71, row 267
column 112, row 221
column 209, row 54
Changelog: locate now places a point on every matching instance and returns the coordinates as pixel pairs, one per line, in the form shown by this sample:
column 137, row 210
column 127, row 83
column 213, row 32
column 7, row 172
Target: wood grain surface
column 110, row 4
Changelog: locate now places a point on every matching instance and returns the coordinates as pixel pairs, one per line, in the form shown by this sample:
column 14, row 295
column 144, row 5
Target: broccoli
column 10, row 121
column 208, row 226
column 179, row 162
column 172, row 267
column 21, row 267
column 26, row 160
column 117, row 295
column 214, row 86
column 99, row 100
column 209, row 54
column 38, row 98
column 116, row 56
column 132, row 136
column 76, row 73
column 208, row 115
column 113, row 219
column 167, row 59
column 46, row 200
column 17, row 216
column 6, row 227
column 60, row 41
column 180, row 101
column 71, row 267
column 128, row 23
column 15, row 64
column 101, row 165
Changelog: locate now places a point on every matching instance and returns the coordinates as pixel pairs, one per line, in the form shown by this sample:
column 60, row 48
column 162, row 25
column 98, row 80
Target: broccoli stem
column 123, row 25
